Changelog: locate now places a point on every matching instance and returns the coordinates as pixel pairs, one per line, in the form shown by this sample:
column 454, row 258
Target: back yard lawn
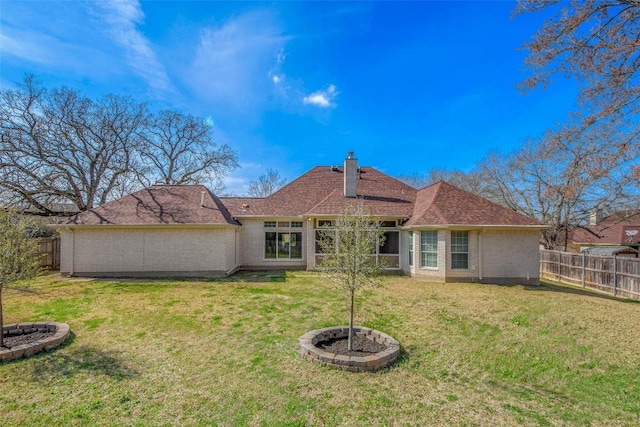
column 225, row 353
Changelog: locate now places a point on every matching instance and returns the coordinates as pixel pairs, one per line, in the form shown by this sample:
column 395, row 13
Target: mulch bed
column 361, row 346
column 11, row 341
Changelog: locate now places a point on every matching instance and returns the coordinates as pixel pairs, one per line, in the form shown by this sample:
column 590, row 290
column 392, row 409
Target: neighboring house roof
column 320, row 192
column 160, row 204
column 58, row 208
column 62, row 212
column 621, row 228
column 444, row 204
column 610, row 250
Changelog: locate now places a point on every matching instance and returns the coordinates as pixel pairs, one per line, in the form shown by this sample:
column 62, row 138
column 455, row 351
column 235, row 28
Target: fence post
column 559, row 266
column 584, row 269
column 615, row 276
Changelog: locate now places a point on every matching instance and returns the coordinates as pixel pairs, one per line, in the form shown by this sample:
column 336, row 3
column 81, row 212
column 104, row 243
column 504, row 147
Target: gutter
column 73, row 251
column 151, row 226
column 473, row 227
column 480, row 260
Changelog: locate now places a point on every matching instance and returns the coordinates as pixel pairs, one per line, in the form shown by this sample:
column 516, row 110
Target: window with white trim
column 389, row 250
column 429, row 249
column 410, row 248
column 283, row 243
column 459, row 250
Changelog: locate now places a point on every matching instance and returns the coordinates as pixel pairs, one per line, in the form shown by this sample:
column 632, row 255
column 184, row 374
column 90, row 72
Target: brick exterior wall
column 252, row 237
column 171, row 251
column 506, row 256
column 436, row 274
column 512, row 255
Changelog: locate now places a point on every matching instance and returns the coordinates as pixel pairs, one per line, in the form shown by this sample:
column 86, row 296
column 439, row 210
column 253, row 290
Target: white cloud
column 52, row 36
column 277, row 76
column 233, row 59
column 122, row 18
column 322, row 98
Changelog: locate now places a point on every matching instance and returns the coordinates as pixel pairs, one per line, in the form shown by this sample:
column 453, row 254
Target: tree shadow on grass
column 567, row 289
column 83, row 359
column 256, row 276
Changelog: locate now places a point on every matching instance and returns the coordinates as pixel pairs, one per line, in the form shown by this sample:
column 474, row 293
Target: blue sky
column 408, row 86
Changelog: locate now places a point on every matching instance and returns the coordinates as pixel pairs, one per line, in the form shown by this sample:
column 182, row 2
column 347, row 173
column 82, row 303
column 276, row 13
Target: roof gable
column 443, row 204
column 320, row 192
column 160, row 204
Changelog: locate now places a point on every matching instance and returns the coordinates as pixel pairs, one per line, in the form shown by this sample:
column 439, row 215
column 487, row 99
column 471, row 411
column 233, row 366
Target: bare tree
column 596, row 43
column 59, row 146
column 348, row 253
column 266, row 184
column 17, row 255
column 469, row 181
column 560, row 182
column 179, row 149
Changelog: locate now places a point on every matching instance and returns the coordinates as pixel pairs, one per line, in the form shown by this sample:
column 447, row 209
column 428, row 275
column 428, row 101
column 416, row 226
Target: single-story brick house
column 439, row 232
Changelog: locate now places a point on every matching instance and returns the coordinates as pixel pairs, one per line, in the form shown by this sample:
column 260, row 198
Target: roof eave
column 477, row 226
column 161, row 225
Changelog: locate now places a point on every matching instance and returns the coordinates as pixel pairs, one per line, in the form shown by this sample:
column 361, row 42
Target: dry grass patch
column 167, row 352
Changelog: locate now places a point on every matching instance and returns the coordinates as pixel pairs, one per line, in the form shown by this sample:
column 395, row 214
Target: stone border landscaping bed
column 308, row 348
column 60, row 333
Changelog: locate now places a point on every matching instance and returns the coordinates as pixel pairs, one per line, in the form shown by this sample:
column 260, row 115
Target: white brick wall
column 511, row 254
column 505, row 253
column 122, row 250
column 508, row 254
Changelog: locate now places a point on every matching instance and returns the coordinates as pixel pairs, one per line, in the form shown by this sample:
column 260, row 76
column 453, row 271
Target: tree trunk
column 350, row 342
column 1, row 321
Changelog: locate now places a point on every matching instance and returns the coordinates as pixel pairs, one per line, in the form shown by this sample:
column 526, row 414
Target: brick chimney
column 350, row 176
column 595, row 216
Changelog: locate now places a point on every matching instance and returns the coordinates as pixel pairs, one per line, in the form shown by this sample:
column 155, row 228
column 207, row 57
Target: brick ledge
column 370, row 363
column 25, row 350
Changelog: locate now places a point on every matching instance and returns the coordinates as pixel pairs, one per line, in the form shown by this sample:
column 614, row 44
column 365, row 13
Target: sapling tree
column 349, row 253
column 17, row 254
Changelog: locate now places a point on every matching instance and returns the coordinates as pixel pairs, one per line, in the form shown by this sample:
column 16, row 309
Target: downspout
column 73, row 251
column 480, row 274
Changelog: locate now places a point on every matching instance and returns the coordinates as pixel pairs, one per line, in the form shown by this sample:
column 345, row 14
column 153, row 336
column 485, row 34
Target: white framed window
column 391, row 244
column 282, row 243
column 410, row 248
column 389, row 250
column 459, row 250
column 326, row 223
column 429, row 249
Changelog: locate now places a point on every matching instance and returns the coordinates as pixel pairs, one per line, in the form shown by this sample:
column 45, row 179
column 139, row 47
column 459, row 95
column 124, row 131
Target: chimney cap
column 350, row 155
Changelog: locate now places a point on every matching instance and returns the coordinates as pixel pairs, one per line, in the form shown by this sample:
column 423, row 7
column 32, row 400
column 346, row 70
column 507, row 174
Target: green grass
column 224, row 353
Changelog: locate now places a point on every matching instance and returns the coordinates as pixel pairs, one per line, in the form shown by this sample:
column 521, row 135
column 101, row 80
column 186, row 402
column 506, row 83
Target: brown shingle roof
column 160, row 204
column 444, row 204
column 316, row 193
column 320, row 192
column 615, row 229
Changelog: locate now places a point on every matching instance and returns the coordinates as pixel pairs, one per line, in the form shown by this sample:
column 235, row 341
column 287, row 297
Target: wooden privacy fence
column 619, row 276
column 49, row 253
